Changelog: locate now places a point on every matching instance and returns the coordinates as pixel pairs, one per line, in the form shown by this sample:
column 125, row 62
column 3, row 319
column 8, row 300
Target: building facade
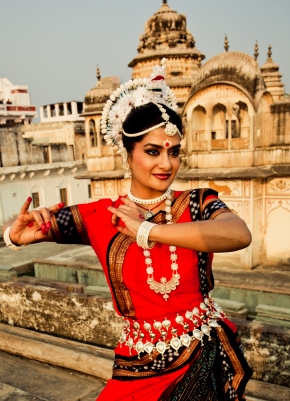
column 40, row 160
column 15, row 104
column 236, row 118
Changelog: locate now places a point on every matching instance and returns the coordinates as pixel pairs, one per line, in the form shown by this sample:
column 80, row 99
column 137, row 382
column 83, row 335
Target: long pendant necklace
column 149, row 213
column 163, row 287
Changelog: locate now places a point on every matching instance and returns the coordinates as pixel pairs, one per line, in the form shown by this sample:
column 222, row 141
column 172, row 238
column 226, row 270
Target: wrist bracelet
column 143, row 235
column 10, row 244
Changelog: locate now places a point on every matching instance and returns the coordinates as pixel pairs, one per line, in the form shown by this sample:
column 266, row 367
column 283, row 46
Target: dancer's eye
column 152, row 152
column 175, row 152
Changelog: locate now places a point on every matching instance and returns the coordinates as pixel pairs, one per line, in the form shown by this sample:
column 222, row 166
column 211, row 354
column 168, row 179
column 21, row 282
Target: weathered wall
column 267, row 349
column 15, row 150
column 92, row 319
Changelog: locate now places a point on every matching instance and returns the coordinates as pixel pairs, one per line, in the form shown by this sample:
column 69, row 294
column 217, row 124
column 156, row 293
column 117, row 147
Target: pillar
column 56, row 110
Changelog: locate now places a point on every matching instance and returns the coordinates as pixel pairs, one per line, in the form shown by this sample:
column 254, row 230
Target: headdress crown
column 132, row 94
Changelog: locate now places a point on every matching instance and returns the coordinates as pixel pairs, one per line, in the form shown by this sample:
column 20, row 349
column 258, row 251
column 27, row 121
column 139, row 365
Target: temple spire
column 256, row 54
column 98, row 73
column 269, row 53
column 226, row 42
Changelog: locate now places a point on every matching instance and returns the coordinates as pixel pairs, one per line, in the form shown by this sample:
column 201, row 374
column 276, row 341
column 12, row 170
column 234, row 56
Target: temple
column 236, row 118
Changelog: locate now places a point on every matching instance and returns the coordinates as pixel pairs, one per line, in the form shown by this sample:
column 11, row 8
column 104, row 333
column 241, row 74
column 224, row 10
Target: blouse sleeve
column 211, row 205
column 67, row 227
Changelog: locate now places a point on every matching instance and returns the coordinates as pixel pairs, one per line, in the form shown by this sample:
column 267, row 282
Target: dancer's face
column 153, row 165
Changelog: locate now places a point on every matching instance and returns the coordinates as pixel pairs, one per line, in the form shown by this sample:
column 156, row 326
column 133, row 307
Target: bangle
column 143, row 235
column 10, row 244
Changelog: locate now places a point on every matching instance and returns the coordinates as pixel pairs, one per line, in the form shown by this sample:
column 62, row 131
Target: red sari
column 174, row 374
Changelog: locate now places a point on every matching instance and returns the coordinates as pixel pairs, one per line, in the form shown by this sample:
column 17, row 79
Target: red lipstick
column 162, row 176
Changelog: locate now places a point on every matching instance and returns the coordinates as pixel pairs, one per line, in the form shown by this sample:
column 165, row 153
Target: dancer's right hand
column 32, row 226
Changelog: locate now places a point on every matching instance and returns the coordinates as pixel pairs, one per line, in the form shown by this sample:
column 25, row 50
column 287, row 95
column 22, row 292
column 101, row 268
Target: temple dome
column 166, row 35
column 97, row 97
column 231, row 67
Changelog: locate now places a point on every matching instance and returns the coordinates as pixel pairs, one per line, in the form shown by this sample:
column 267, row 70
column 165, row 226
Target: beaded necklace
column 163, row 287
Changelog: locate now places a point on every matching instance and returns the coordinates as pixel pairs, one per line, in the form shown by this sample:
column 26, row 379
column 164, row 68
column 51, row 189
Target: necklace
column 149, row 213
column 140, row 201
column 164, row 287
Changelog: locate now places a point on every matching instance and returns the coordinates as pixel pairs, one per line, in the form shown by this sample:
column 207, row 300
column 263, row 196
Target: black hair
column 144, row 117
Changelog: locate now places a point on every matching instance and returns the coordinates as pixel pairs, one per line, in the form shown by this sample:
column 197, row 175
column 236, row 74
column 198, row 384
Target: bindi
column 167, row 143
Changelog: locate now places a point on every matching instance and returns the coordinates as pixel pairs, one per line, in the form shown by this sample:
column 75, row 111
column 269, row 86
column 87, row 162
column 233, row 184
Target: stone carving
column 278, row 186
column 225, row 188
column 272, row 204
column 97, row 188
column 257, row 187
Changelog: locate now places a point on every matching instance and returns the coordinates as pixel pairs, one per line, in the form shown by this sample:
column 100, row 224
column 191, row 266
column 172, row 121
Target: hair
column 144, row 117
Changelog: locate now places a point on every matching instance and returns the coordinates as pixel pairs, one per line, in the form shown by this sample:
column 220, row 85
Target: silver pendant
column 148, row 214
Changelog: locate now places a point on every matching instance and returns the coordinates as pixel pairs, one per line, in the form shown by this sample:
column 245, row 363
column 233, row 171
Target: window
column 213, row 135
column 90, row 191
column 46, row 154
column 35, row 199
column 63, row 195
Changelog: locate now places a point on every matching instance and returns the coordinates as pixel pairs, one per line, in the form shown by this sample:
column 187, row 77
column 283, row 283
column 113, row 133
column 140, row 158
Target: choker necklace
column 148, row 212
column 140, row 201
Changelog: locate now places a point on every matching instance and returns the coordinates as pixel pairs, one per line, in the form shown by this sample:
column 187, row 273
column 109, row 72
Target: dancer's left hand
column 130, row 215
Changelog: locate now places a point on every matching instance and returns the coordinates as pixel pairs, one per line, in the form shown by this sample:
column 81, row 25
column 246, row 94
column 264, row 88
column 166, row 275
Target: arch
column 277, row 246
column 264, row 131
column 198, row 123
column 218, row 122
column 93, row 133
column 240, row 120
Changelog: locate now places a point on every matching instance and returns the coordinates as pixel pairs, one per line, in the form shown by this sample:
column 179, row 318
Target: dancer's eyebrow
column 161, row 146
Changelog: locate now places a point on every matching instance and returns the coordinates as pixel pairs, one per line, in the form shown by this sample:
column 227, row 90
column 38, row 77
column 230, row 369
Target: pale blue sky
column 53, row 46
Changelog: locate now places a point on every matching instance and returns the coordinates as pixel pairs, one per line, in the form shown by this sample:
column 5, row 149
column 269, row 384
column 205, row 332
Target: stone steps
column 233, row 308
column 273, row 315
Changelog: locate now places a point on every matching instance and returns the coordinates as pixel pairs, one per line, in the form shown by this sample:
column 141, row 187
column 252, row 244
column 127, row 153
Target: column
column 98, row 134
column 65, row 109
column 251, row 139
column 74, row 109
column 229, row 130
column 41, row 113
column 56, row 110
column 48, row 111
column 88, row 142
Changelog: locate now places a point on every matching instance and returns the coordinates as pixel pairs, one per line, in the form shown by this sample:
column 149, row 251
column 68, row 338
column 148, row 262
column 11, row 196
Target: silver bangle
column 10, row 244
column 143, row 235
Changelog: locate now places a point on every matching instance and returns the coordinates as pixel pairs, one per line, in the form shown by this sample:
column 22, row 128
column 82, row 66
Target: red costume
column 192, row 371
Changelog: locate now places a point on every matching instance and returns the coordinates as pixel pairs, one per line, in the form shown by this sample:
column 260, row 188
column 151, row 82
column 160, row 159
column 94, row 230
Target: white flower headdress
column 132, row 94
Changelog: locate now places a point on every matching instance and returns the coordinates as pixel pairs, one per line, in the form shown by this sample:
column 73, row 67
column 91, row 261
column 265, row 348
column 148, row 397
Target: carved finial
column 269, row 53
column 164, row 1
column 226, row 42
column 98, row 73
column 256, row 54
column 199, row 61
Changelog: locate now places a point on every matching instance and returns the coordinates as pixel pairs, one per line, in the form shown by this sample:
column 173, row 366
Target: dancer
column 156, row 247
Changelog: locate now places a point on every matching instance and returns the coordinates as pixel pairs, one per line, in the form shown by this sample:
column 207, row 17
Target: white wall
column 14, row 193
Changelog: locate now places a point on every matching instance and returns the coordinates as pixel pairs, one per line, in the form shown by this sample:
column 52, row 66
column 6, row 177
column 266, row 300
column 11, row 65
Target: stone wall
column 16, row 151
column 92, row 319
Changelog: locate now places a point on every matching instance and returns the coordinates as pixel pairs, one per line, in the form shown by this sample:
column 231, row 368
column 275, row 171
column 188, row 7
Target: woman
column 155, row 246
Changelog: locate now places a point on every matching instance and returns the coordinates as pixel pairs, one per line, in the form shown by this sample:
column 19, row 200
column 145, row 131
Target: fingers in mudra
column 32, row 226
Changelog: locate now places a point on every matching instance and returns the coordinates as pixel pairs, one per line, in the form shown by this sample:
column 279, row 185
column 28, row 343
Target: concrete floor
column 26, row 380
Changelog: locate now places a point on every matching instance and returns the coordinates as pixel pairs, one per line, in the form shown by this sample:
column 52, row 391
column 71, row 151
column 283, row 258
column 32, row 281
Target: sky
column 54, row 46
